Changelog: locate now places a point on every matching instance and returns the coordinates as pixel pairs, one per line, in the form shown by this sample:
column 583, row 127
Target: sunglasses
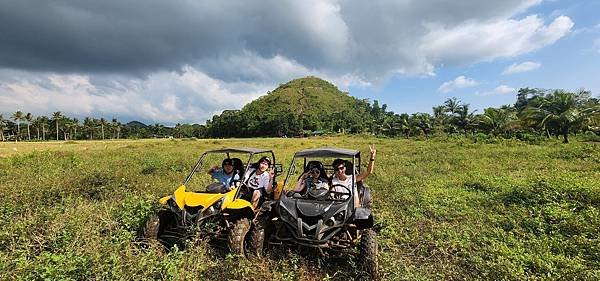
column 340, row 168
column 315, row 171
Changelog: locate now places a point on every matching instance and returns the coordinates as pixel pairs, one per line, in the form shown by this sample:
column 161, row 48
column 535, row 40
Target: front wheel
column 259, row 235
column 162, row 227
column 237, row 235
column 368, row 253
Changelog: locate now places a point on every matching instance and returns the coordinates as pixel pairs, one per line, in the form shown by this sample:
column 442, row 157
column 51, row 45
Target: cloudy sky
column 184, row 61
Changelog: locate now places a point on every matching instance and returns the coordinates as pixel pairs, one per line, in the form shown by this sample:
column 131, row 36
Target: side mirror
column 278, row 168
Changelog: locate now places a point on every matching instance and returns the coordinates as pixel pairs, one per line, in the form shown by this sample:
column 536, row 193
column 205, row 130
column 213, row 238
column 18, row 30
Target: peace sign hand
column 372, row 150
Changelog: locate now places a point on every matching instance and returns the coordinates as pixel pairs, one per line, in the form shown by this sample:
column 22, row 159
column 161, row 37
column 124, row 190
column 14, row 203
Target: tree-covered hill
column 294, row 108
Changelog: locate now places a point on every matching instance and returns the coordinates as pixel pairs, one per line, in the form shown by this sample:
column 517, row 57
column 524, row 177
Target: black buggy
column 324, row 219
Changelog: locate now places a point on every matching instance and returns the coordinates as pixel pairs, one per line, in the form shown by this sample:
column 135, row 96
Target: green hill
column 294, row 108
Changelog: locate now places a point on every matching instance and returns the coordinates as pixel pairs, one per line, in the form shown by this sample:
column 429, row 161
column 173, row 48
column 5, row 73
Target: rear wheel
column 368, row 253
column 237, row 235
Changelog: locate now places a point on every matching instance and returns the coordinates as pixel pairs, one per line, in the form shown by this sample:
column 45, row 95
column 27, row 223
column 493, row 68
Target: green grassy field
column 446, row 209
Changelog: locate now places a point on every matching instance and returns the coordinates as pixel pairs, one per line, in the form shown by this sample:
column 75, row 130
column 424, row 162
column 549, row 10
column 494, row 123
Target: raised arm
column 365, row 174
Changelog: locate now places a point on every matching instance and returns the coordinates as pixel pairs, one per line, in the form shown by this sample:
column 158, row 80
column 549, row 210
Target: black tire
column 162, row 227
column 259, row 235
column 237, row 235
column 368, row 253
column 151, row 229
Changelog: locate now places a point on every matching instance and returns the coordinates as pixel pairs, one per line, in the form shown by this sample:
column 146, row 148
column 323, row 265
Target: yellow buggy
column 197, row 208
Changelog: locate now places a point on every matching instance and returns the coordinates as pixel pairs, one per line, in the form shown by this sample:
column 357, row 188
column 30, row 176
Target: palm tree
column 28, row 118
column 116, row 127
column 422, row 122
column 452, row 105
column 440, row 118
column 560, row 112
column 496, row 120
column 57, row 117
column 43, row 121
column 463, row 119
column 17, row 117
column 2, row 126
column 88, row 125
column 102, row 124
column 75, row 123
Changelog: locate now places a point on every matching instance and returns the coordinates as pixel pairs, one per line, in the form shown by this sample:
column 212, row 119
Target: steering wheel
column 339, row 194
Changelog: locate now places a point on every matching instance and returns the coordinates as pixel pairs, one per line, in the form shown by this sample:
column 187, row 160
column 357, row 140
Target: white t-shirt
column 347, row 182
column 255, row 181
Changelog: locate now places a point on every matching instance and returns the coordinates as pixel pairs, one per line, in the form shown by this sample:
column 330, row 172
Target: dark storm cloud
column 146, row 35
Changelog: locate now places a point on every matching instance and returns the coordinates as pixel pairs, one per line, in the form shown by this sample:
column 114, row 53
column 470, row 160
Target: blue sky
column 572, row 63
column 181, row 61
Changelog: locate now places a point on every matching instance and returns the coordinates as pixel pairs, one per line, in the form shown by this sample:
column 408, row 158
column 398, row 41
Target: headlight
column 340, row 216
column 215, row 208
column 286, row 216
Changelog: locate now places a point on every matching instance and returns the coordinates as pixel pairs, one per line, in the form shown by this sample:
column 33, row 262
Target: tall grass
column 445, row 209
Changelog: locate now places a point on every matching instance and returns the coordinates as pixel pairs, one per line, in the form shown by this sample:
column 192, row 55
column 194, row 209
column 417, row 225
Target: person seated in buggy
column 342, row 175
column 226, row 176
column 259, row 180
column 314, row 177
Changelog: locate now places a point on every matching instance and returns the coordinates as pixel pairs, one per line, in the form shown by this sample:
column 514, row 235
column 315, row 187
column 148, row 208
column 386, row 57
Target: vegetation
column 447, row 208
column 311, row 106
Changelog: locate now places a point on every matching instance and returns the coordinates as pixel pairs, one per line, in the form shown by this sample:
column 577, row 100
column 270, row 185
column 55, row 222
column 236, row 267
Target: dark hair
column 264, row 158
column 226, row 161
column 238, row 166
column 338, row 162
column 315, row 164
column 347, row 164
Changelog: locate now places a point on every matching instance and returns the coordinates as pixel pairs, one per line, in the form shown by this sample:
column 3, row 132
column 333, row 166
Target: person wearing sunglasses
column 342, row 177
column 313, row 177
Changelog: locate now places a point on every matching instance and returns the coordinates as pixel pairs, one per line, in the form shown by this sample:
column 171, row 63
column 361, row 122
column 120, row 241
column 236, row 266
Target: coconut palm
column 28, row 118
column 17, row 117
column 463, row 119
column 559, row 112
column 421, row 122
column 496, row 120
column 45, row 122
column 102, row 124
column 57, row 117
column 452, row 105
column 3, row 124
column 116, row 125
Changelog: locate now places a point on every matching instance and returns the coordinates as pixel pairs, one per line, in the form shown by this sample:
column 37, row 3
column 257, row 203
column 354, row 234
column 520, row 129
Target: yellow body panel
column 229, row 196
column 278, row 190
column 164, row 200
column 180, row 196
column 194, row 199
column 238, row 204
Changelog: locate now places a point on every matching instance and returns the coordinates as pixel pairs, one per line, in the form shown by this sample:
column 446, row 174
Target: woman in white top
column 259, row 180
column 341, row 178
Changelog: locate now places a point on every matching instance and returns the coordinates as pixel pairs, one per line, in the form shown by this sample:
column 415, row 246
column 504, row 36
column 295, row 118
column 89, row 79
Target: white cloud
column 597, row 45
column 500, row 90
column 459, row 83
column 203, row 56
column 475, row 41
column 521, row 67
column 167, row 97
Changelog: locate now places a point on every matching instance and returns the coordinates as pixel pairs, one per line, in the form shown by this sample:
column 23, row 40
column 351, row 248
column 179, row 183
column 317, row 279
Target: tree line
column 536, row 112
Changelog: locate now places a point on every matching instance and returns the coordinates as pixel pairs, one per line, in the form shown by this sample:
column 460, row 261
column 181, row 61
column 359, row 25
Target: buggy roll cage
column 328, row 152
column 248, row 150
